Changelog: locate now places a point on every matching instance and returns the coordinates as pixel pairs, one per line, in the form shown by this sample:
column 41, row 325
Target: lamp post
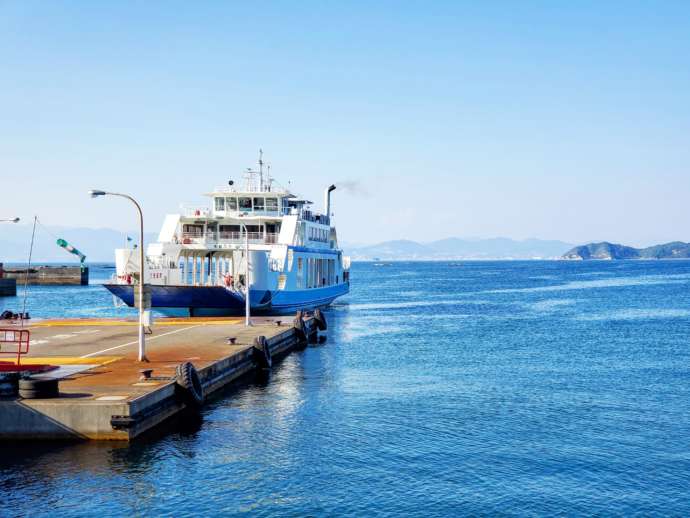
column 142, row 345
column 247, row 304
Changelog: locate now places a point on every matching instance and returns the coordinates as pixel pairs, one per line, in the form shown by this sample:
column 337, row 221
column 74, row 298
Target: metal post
column 247, row 305
column 142, row 344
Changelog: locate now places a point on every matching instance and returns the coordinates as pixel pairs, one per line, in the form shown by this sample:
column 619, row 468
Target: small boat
column 259, row 241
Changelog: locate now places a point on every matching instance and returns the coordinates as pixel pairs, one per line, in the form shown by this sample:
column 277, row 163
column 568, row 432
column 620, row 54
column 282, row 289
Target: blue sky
column 557, row 120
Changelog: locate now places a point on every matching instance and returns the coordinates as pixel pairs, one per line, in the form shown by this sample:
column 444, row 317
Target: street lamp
column 9, row 220
column 247, row 304
column 96, row 194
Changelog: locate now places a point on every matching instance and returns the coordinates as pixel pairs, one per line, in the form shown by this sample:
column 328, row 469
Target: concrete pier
column 103, row 394
column 50, row 275
column 8, row 287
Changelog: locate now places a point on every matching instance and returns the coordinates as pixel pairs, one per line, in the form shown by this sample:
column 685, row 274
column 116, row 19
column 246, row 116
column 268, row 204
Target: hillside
column 610, row 251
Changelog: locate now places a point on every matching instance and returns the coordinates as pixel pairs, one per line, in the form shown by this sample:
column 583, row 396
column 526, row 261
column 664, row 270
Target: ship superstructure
column 199, row 264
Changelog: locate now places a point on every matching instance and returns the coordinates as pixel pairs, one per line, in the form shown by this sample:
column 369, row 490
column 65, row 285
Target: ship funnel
column 327, row 202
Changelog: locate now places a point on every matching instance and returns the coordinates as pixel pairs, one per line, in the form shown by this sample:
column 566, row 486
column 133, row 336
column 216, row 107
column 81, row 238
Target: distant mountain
column 456, row 248
column 390, row 249
column 610, row 251
column 98, row 244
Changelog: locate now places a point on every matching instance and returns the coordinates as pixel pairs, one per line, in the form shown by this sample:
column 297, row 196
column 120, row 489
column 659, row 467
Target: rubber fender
column 190, row 388
column 320, row 320
column 38, row 388
column 299, row 326
column 262, row 353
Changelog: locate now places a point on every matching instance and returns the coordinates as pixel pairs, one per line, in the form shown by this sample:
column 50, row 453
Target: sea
column 516, row 388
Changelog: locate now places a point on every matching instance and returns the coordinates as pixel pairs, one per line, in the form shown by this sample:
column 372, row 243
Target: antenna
column 261, row 170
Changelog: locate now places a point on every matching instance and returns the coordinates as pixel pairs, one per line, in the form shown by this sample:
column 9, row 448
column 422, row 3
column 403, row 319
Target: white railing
column 191, row 212
column 188, row 238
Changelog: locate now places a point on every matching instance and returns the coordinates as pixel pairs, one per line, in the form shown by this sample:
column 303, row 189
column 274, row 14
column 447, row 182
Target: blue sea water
column 444, row 389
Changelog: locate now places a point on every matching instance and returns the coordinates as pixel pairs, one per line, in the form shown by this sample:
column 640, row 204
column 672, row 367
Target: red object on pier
column 16, row 343
column 17, row 340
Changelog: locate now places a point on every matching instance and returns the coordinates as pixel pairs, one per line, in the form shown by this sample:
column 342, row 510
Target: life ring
column 191, row 391
column 262, row 353
column 228, row 280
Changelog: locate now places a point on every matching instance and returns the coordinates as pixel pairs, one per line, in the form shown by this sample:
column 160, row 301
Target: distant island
column 611, row 251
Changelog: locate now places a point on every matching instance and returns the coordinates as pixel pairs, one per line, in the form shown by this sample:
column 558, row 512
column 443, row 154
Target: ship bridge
column 258, row 212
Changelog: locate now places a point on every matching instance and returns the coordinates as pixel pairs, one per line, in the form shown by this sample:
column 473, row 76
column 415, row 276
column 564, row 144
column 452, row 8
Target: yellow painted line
column 69, row 360
column 85, row 323
column 125, row 323
column 200, row 322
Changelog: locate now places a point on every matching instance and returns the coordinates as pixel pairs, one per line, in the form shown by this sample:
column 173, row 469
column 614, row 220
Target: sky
column 554, row 120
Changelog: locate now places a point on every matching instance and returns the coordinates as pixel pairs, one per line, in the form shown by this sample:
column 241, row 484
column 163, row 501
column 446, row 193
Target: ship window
column 272, row 204
column 258, row 204
column 231, row 203
column 300, row 273
column 220, row 203
column 193, row 229
column 245, row 204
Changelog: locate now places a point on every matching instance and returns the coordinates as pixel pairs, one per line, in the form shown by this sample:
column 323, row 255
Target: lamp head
column 96, row 194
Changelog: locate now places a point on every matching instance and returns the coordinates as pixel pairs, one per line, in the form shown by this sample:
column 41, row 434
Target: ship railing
column 188, row 238
column 191, row 212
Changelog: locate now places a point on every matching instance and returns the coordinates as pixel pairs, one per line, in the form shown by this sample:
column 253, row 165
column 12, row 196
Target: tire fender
column 299, row 326
column 320, row 320
column 38, row 388
column 189, row 385
column 262, row 353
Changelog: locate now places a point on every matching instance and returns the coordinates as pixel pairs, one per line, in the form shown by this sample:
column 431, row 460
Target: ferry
column 261, row 242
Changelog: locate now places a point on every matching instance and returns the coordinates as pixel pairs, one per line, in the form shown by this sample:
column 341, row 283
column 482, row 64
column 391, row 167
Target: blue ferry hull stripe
column 199, row 299
column 314, row 250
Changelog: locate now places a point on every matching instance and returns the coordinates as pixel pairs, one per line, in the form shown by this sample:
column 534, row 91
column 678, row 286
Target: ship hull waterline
column 219, row 301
